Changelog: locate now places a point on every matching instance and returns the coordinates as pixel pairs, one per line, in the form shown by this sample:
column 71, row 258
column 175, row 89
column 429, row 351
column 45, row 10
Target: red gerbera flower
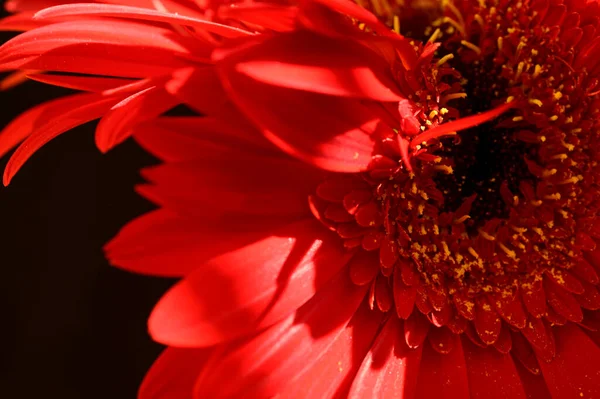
column 448, row 152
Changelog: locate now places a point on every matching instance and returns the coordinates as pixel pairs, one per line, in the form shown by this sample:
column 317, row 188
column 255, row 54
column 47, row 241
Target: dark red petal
column 40, row 132
column 504, row 342
column 391, row 369
column 540, row 337
column 442, row 340
column 575, row 371
column 535, row 299
column 492, row 375
column 443, row 375
column 404, row 296
column 117, row 124
column 321, row 65
column 263, row 365
column 562, row 301
column 247, row 289
column 174, row 373
column 523, row 352
column 415, row 329
column 487, row 322
column 122, row 11
column 307, row 125
column 363, row 267
column 511, row 310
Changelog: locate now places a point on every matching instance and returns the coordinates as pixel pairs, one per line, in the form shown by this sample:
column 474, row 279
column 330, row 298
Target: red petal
column 504, row 342
column 541, row 338
column 390, row 370
column 263, row 365
column 562, row 301
column 41, row 131
column 121, row 11
column 176, row 139
column 575, row 371
column 487, row 321
column 237, row 182
column 492, row 375
column 523, row 352
column 174, row 373
column 330, row 375
column 442, row 340
column 117, row 124
column 415, row 329
column 109, row 48
column 383, row 296
column 511, row 310
column 443, row 375
column 249, row 288
column 329, row 132
column 321, row 65
column 533, row 384
column 363, row 267
column 200, row 89
column 404, row 296
column 535, row 299
column 84, row 83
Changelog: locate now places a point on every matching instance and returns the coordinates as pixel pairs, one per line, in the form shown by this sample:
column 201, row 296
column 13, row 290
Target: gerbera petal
column 281, row 18
column 491, row 374
column 176, row 139
column 306, row 125
column 443, row 375
column 174, row 373
column 333, row 371
column 166, row 244
column 110, row 48
column 320, row 65
column 199, row 88
column 92, row 84
column 264, row 365
column 574, row 372
column 122, row 11
column 234, row 182
column 40, row 132
column 116, row 125
column 390, row 369
column 248, row 288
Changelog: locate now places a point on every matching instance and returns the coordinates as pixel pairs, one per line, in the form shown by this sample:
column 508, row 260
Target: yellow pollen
column 517, row 119
column 445, row 247
column 471, row 46
column 536, row 102
column 557, row 95
column 444, row 59
column 548, row 173
column 396, row 24
column 452, row 96
column 444, row 168
column 519, row 230
column 485, row 235
column 537, row 70
column 538, row 231
column 561, row 157
column 473, row 253
column 435, row 35
column 577, row 130
column 433, row 114
column 553, row 118
column 542, row 138
column 572, row 180
column 500, row 42
column 568, row 146
column 509, row 252
column 480, row 21
column 461, row 219
column 423, row 231
column 510, row 99
column 455, row 24
column 555, row 196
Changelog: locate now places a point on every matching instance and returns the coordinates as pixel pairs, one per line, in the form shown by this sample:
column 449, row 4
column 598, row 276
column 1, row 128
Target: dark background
column 72, row 326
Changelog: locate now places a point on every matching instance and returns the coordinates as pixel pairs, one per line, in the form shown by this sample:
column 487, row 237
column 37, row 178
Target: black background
column 72, row 326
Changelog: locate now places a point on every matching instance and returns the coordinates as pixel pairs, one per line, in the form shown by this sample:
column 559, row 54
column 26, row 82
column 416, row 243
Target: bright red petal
column 249, row 288
column 443, row 375
column 174, row 373
column 85, row 83
column 391, row 369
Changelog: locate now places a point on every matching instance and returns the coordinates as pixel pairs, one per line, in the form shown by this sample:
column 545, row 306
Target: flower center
column 493, row 222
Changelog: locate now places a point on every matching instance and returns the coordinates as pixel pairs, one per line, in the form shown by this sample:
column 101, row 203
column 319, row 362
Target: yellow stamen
column 444, row 59
column 471, row 46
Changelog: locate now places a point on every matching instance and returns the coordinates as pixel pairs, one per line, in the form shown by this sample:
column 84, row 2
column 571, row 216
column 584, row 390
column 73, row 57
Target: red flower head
column 376, row 200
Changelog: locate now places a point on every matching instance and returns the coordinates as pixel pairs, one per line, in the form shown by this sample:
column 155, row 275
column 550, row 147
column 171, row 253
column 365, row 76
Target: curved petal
column 174, row 373
column 90, row 107
column 102, row 47
column 84, row 83
column 263, row 366
column 390, row 369
column 117, row 124
column 443, row 375
column 122, row 11
column 321, row 65
column 249, row 288
column 330, row 132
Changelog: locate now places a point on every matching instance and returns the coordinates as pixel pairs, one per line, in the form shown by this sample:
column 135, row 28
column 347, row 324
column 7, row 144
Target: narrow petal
column 84, row 83
column 247, row 289
column 574, row 372
column 390, row 369
column 199, row 88
column 491, row 374
column 117, row 124
column 263, row 366
column 102, row 47
column 174, row 373
column 40, row 132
